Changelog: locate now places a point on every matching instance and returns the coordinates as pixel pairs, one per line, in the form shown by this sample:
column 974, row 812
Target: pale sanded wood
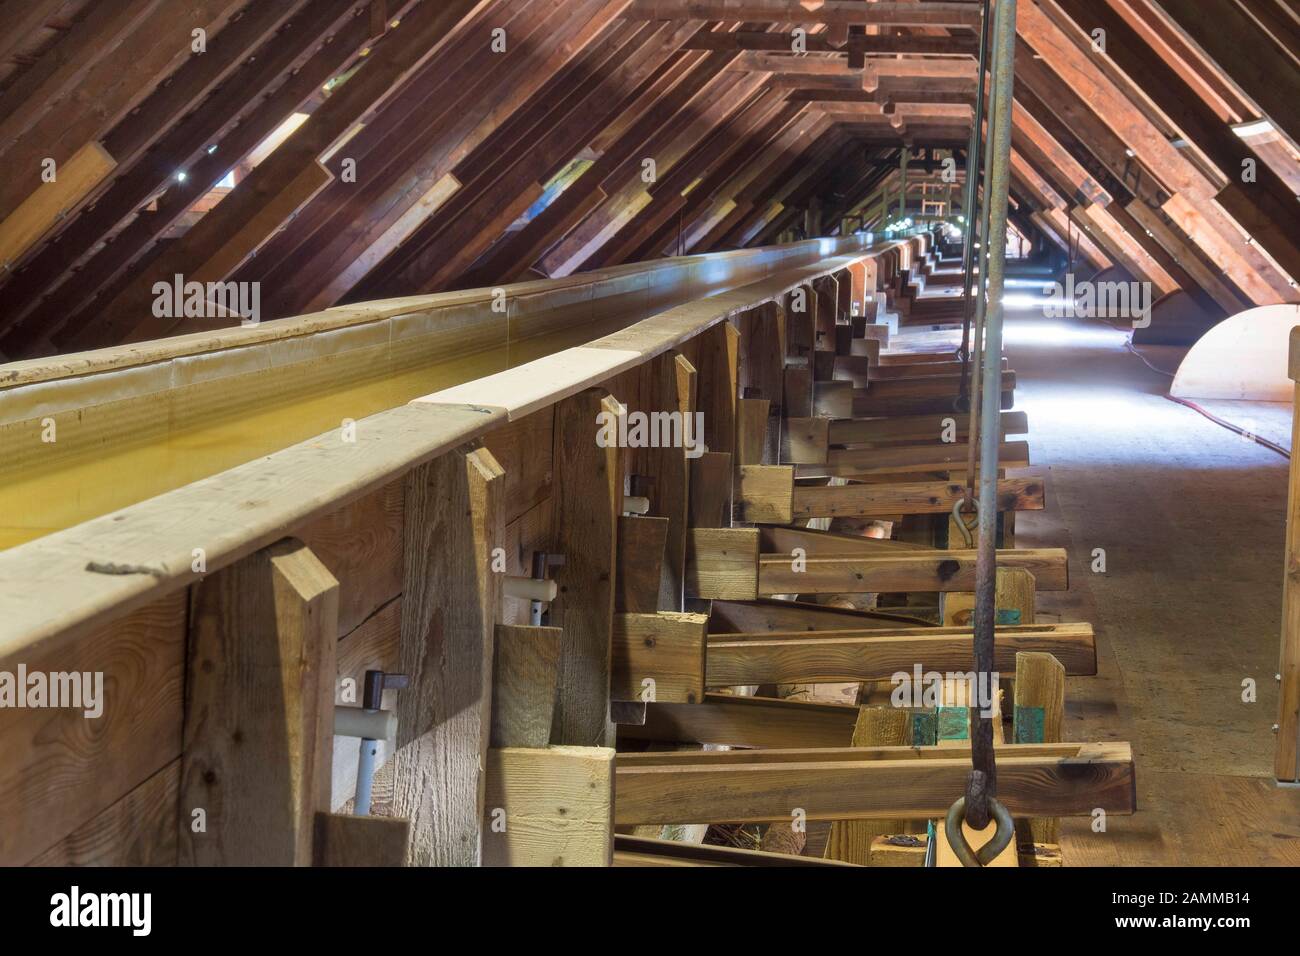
column 588, row 500
column 74, row 180
column 450, row 601
column 360, row 841
column 666, row 648
column 722, row 563
column 770, row 616
column 259, row 718
column 549, row 807
column 867, row 783
column 525, row 678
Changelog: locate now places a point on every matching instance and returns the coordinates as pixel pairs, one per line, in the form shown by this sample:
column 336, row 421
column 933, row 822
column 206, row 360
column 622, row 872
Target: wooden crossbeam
column 746, row 722
column 914, row 498
column 908, row 571
column 830, row 12
column 915, row 428
column 648, row 851
column 820, row 43
column 841, row 656
column 863, row 783
column 911, row 458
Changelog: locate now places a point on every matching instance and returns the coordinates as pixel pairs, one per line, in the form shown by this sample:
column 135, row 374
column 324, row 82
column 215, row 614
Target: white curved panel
column 1243, row 358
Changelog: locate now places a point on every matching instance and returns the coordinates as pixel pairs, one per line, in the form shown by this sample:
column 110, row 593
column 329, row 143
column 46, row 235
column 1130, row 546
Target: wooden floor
column 1191, row 519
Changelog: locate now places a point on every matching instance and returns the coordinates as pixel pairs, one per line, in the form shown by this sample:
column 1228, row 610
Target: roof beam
column 820, row 43
column 830, row 12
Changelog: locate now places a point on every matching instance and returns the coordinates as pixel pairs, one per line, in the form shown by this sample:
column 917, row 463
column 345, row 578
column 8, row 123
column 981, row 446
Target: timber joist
column 558, row 576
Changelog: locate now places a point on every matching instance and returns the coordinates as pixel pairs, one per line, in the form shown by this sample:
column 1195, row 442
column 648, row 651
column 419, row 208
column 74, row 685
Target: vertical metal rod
column 973, row 152
column 983, row 784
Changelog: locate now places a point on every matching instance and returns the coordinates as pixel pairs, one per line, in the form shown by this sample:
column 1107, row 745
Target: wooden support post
column 525, row 677
column 640, row 567
column 850, row 840
column 1037, row 718
column 588, row 498
column 451, row 598
column 549, row 807
column 1015, row 600
column 259, row 716
column 669, row 386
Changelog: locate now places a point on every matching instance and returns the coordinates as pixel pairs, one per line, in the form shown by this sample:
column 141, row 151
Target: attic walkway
column 1191, row 518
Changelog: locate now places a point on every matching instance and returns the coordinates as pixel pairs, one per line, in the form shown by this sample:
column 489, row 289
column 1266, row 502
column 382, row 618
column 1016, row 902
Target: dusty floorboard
column 1191, row 518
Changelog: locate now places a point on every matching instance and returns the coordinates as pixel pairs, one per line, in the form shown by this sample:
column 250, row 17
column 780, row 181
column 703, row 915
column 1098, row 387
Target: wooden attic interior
column 454, row 233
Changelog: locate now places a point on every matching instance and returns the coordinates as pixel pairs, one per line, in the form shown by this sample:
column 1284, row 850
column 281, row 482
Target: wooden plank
column 933, row 570
column 722, row 563
column 639, row 568
column 1037, row 719
column 909, row 498
column 830, row 12
column 649, row 851
column 710, row 504
column 804, row 440
column 906, row 849
column 1014, row 599
column 743, row 617
column 825, row 544
column 665, row 649
column 259, row 718
column 916, row 428
column 736, row 721
column 450, row 602
column 764, row 494
column 850, row 840
column 908, row 458
column 38, row 213
column 751, row 430
column 588, row 500
column 765, row 786
column 843, row 656
column 59, row 769
column 360, row 841
column 137, row 830
column 718, row 365
column 525, row 678
column 673, row 387
column 549, row 807
column 833, row 399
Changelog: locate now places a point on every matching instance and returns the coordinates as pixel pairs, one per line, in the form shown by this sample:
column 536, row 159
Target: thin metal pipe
column 978, row 382
column 983, row 784
column 973, row 153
